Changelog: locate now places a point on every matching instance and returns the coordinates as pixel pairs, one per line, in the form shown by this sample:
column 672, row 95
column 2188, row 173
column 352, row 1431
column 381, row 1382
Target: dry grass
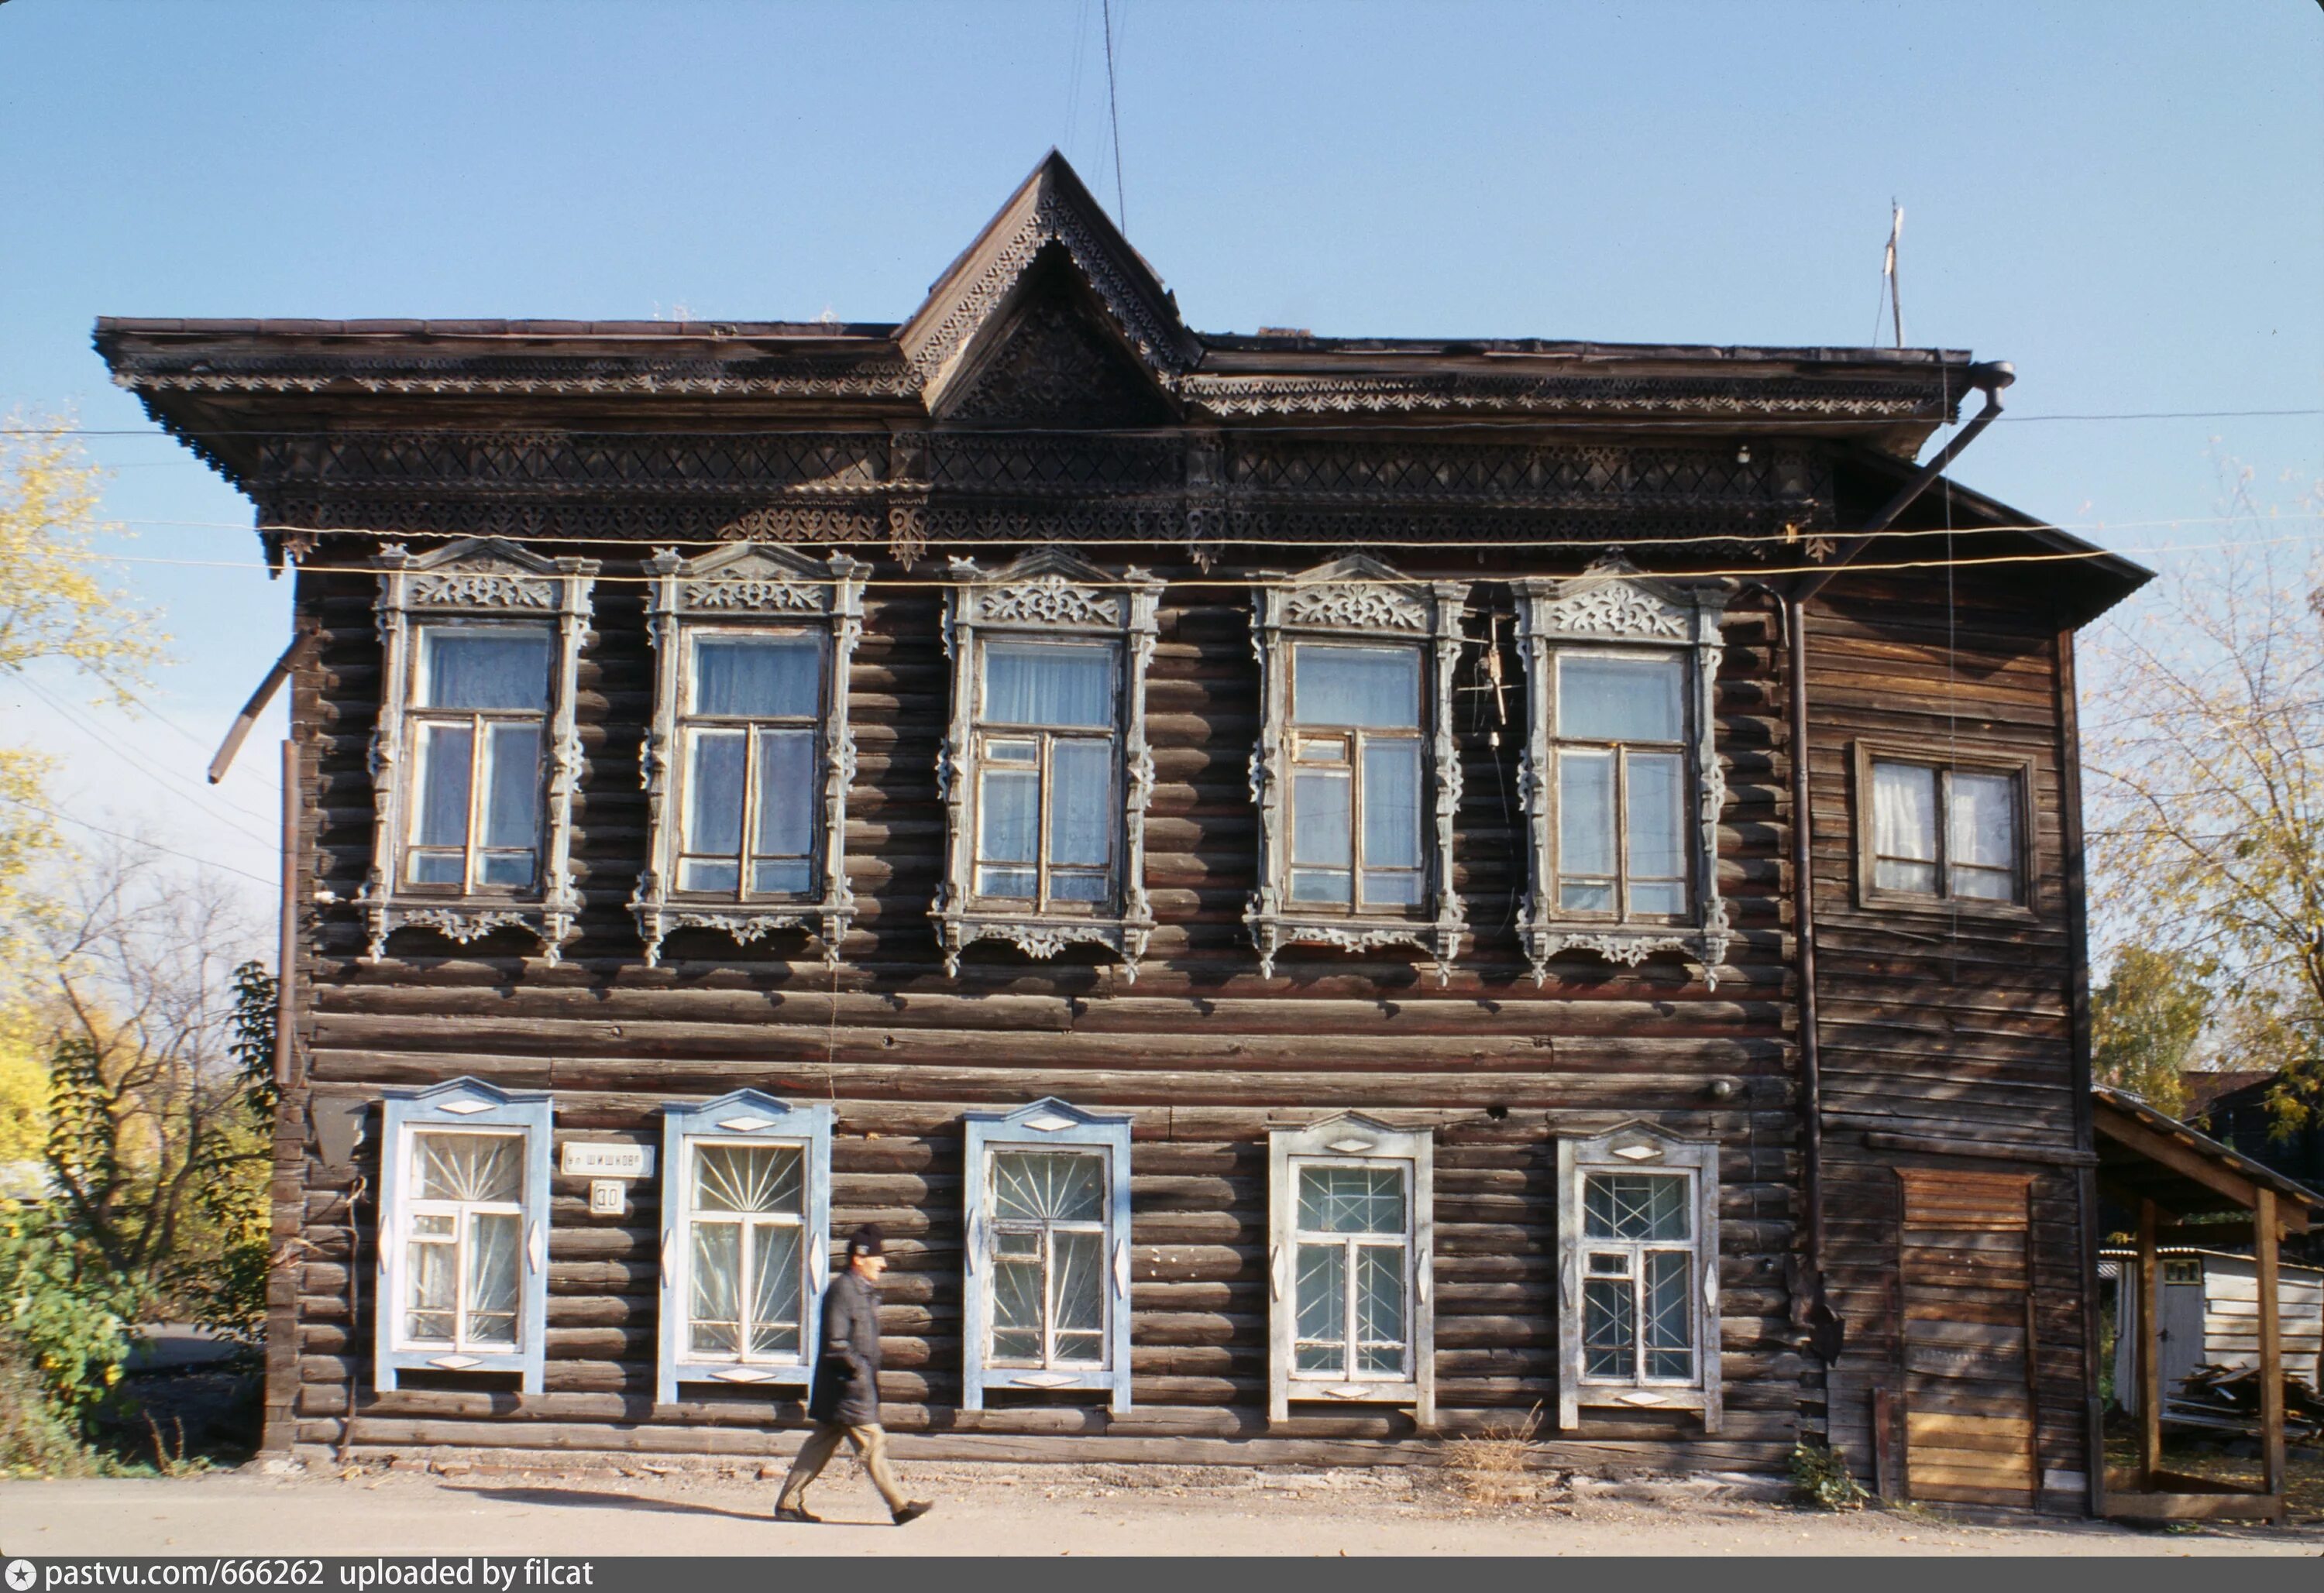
column 1490, row 1466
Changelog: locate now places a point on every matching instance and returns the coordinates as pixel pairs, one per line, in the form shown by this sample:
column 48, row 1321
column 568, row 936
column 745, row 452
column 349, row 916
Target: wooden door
column 1965, row 1274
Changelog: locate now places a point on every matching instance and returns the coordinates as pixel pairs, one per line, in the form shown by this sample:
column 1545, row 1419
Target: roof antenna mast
column 1114, row 113
column 1890, row 288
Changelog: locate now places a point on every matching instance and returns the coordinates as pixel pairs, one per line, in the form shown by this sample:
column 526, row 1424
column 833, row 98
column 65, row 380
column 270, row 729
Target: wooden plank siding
column 1201, row 1051
column 1946, row 1030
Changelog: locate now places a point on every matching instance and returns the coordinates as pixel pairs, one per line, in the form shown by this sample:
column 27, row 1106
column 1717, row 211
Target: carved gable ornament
column 1356, row 598
column 759, row 587
column 1613, row 608
column 475, row 580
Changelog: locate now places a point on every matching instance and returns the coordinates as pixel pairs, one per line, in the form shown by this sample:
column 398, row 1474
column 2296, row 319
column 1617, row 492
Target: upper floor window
column 1046, row 774
column 1638, row 1273
column 1350, row 1262
column 746, row 1209
column 1046, row 1299
column 1355, row 775
column 1621, row 778
column 748, row 760
column 464, row 1202
column 476, row 755
column 1941, row 830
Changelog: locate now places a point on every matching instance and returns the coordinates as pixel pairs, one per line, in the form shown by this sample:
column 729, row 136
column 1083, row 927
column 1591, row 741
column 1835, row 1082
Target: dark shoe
column 913, row 1511
column 796, row 1512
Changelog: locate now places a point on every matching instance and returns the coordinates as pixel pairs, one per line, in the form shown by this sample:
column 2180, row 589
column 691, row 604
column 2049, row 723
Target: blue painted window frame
column 742, row 1116
column 1046, row 1124
column 462, row 1104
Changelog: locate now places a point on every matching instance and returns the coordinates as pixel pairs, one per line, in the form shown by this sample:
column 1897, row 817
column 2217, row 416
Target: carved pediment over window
column 1611, row 619
column 484, row 588
column 779, row 598
column 1052, row 597
column 1382, row 615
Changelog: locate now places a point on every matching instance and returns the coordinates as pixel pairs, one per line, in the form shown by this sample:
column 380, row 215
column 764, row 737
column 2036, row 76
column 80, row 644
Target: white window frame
column 1360, row 601
column 1637, row 1149
column 747, row 589
column 1969, row 758
column 744, row 1117
column 1045, row 1126
column 491, row 584
column 1048, row 596
column 1352, row 1139
column 460, row 1106
column 1611, row 608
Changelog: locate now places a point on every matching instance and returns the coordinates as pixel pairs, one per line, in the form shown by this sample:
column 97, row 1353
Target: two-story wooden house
column 1318, row 888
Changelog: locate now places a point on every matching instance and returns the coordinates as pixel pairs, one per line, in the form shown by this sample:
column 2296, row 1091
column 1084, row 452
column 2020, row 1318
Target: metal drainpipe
column 1826, row 1330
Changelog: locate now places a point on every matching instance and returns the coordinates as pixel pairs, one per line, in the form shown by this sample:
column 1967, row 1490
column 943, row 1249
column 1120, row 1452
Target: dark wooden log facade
column 1947, row 1044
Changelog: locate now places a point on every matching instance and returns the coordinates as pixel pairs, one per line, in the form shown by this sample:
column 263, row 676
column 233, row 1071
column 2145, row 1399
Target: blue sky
column 2122, row 198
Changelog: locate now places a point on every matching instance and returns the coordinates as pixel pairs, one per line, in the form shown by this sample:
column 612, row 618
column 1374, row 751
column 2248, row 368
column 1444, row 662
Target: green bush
column 64, row 1331
column 1820, row 1474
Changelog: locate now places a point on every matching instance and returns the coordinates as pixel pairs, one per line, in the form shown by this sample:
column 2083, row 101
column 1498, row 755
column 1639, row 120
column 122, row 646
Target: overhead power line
column 66, row 818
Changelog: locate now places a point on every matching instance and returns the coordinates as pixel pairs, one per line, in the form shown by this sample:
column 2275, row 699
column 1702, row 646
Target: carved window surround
column 1047, row 595
column 1356, row 599
column 759, row 587
column 1638, row 1148
column 491, row 581
column 1610, row 607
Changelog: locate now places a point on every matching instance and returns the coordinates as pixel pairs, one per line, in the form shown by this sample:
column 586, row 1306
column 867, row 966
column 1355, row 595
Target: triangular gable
column 1048, row 560
column 741, row 1112
column 1049, row 1115
column 1050, row 208
column 453, row 1092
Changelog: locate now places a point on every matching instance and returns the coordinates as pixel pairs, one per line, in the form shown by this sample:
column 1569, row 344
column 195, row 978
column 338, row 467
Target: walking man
column 845, row 1400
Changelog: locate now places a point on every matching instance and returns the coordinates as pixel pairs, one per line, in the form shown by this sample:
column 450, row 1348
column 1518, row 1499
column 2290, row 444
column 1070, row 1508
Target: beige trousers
column 871, row 1442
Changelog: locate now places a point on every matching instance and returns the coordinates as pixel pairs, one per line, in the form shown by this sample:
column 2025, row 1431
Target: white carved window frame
column 1356, row 599
column 1611, row 608
column 462, row 1104
column 1046, row 1124
column 1638, row 1148
column 1047, row 595
column 751, row 587
column 1343, row 1139
column 475, row 580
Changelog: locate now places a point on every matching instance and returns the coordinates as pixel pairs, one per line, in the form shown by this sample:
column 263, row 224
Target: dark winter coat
column 847, row 1376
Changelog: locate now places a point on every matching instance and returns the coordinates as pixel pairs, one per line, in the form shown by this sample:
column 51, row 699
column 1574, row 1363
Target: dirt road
column 991, row 1510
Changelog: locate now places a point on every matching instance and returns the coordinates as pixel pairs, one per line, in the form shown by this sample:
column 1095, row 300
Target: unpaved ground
column 1004, row 1510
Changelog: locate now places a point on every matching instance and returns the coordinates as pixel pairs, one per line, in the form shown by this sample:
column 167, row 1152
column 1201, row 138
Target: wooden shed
column 2210, row 1317
column 1325, row 890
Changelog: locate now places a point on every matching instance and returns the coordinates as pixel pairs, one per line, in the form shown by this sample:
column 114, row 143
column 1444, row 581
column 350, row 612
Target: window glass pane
column 1391, row 888
column 1392, row 805
column 1042, row 682
column 783, row 878
column 467, row 1168
column 767, row 676
column 1380, row 1307
column 775, row 1289
column 1904, row 827
column 441, row 813
column 1657, row 831
column 1015, row 884
column 513, row 786
column 1079, row 1291
column 1008, row 817
column 788, row 796
column 757, row 1178
column 714, row 791
column 717, row 1262
column 1366, row 688
column 1351, row 1199
column 432, row 1284
column 1585, row 813
column 1051, row 1187
column 1321, row 885
column 462, row 669
column 437, row 868
column 1320, row 833
column 1081, row 802
column 1669, row 1320
column 1981, row 835
column 696, row 874
column 1017, row 1307
column 998, row 750
column 1066, row 886
column 1607, row 1314
column 1322, row 1306
column 1637, row 1206
column 491, row 1277
column 1608, row 699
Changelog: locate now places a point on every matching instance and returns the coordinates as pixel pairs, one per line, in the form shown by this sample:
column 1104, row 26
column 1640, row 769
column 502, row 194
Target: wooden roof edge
column 2130, row 1123
column 2130, row 1252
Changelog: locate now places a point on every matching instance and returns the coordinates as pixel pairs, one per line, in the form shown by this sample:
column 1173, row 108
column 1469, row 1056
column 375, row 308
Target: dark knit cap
column 866, row 1240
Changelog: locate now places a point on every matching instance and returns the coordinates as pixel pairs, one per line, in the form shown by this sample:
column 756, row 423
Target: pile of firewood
column 2226, row 1399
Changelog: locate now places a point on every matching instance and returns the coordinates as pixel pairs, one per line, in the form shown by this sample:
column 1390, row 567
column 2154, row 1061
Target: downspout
column 1827, row 1332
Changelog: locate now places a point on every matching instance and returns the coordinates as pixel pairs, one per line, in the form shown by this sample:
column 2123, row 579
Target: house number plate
column 585, row 1160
